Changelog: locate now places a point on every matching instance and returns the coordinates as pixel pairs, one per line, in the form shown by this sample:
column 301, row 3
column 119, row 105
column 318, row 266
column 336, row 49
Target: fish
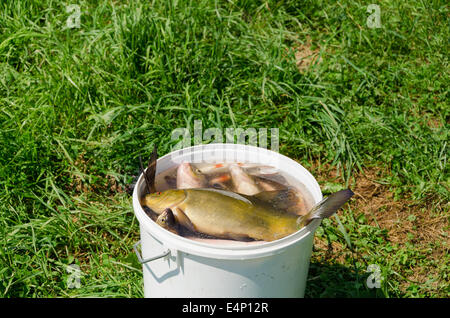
column 219, row 182
column 171, row 181
column 208, row 168
column 267, row 184
column 230, row 215
column 262, row 170
column 189, row 177
column 223, row 214
column 287, row 199
column 267, row 188
column 242, row 182
column 261, row 178
column 167, row 221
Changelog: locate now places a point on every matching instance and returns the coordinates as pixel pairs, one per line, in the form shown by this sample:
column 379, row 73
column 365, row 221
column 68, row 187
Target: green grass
column 79, row 105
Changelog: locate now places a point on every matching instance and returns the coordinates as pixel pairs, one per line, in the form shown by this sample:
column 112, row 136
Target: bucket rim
column 175, row 242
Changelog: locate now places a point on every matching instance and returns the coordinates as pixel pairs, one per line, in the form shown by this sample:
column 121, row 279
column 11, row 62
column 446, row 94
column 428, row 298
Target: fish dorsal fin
column 150, row 173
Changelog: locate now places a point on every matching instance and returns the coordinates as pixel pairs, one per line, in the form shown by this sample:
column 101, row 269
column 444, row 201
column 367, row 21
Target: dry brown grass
column 81, row 166
column 400, row 216
column 406, row 221
column 305, row 56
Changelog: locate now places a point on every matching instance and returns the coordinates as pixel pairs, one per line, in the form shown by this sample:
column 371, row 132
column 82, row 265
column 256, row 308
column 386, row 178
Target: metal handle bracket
column 143, row 261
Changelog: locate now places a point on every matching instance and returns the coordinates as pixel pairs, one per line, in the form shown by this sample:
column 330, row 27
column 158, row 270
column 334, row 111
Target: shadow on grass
column 338, row 281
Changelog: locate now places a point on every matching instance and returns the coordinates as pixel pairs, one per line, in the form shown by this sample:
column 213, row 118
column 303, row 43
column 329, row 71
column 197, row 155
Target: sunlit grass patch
column 78, row 105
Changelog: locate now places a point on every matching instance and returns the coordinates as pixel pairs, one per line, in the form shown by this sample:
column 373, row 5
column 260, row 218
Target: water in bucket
column 247, row 179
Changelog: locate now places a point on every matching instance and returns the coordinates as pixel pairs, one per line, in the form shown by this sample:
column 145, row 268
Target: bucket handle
column 143, row 261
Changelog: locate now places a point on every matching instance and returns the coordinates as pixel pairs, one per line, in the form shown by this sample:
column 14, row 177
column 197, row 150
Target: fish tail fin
column 150, row 173
column 328, row 206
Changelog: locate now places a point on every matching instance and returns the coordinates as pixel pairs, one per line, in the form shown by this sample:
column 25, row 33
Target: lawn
column 359, row 104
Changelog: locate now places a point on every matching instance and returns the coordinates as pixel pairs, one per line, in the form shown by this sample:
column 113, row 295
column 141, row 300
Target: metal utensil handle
column 143, row 261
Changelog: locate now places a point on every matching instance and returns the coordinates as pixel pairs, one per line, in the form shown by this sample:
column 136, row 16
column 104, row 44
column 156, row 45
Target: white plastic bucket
column 175, row 266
